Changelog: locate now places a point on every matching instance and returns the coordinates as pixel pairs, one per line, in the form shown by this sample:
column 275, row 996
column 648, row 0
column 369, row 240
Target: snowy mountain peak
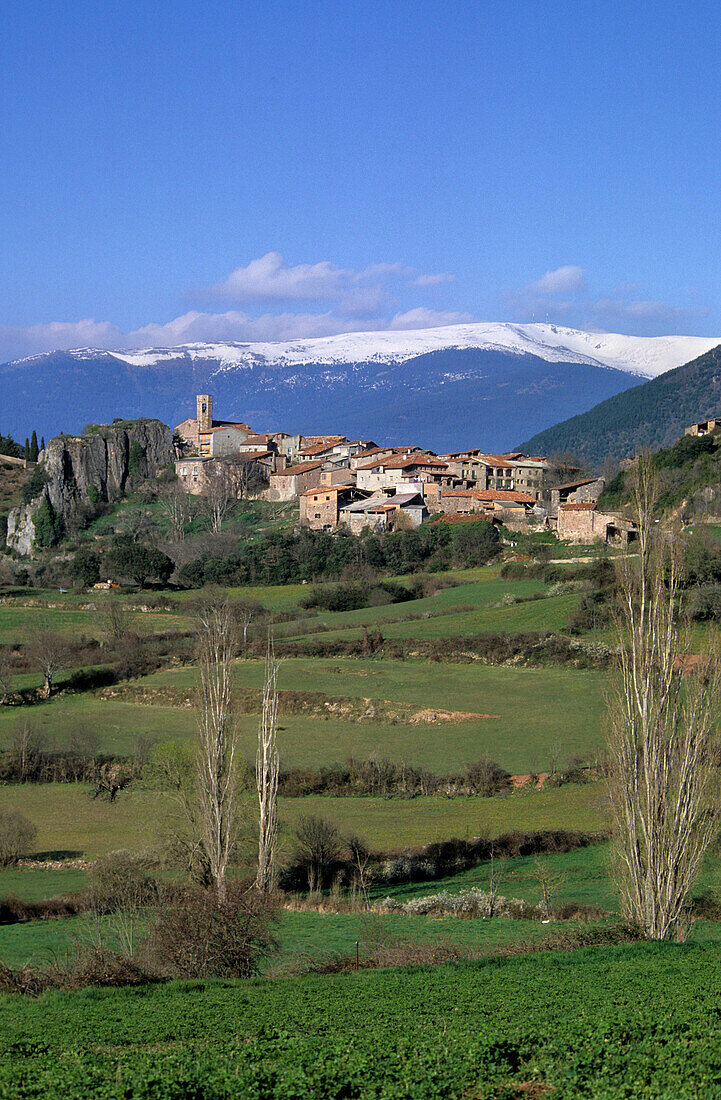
column 640, row 355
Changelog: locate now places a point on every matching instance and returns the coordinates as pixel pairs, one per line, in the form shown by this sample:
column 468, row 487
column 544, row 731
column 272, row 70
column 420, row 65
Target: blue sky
column 189, row 170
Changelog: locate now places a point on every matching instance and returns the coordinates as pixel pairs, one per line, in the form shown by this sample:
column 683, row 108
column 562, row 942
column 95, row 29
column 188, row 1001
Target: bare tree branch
column 661, row 776
column 218, row 736
column 266, row 771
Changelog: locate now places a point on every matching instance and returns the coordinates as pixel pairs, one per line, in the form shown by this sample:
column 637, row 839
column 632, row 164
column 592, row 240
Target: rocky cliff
column 82, row 470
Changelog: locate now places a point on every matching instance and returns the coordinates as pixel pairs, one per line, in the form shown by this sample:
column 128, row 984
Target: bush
column 17, row 836
column 487, row 778
column 34, row 485
column 129, row 558
column 120, row 881
column 85, row 568
column 198, row 936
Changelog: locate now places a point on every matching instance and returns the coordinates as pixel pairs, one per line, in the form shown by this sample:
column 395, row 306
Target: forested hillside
column 652, row 415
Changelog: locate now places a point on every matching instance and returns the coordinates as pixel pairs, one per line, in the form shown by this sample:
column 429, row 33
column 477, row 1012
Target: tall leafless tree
column 178, row 508
column 220, row 494
column 661, row 776
column 245, row 614
column 115, row 619
column 216, row 759
column 267, row 767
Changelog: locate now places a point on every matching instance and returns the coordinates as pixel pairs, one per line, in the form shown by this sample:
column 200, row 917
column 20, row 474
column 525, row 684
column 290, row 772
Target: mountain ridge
column 460, row 385
column 651, row 415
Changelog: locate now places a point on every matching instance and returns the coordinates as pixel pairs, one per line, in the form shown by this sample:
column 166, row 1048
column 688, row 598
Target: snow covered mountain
column 488, row 384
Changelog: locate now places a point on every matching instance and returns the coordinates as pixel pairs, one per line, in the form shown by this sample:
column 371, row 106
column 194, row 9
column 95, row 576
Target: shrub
column 120, row 881
column 34, row 485
column 197, row 935
column 17, row 836
column 48, row 526
column 85, row 568
column 487, row 778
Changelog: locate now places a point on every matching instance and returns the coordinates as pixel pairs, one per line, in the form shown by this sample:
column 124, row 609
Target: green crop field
column 604, row 1023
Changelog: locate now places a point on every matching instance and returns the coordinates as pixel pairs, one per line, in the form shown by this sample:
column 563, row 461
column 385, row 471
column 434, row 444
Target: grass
column 543, row 713
column 69, row 820
column 30, row 884
column 620, row 1021
column 18, row 623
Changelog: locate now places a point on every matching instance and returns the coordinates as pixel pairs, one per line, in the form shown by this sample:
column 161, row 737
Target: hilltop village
column 362, row 484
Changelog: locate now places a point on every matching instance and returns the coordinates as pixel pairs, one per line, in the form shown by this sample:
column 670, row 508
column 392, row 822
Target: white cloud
column 196, row 327
column 346, row 300
column 16, row 342
column 428, row 318
column 270, row 278
column 433, row 280
column 563, row 280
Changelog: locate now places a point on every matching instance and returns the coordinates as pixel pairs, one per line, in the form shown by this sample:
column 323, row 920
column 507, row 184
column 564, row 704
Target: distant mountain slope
column 460, row 385
column 652, row 415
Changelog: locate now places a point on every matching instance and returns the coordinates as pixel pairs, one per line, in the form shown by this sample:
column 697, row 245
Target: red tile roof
column 579, row 506
column 318, row 448
column 503, row 495
column 301, row 468
column 496, row 460
column 320, row 489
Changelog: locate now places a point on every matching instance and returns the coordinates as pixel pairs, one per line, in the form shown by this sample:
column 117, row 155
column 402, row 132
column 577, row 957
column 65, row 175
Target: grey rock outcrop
column 82, row 470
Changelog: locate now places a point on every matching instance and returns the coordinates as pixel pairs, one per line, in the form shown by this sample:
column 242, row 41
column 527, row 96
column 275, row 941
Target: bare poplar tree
column 218, row 735
column 661, row 776
column 115, row 620
column 246, row 613
column 266, row 772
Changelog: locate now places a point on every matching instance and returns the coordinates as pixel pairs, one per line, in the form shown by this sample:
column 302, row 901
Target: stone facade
column 581, row 522
column 704, row 427
column 319, row 508
column 288, row 484
column 574, row 492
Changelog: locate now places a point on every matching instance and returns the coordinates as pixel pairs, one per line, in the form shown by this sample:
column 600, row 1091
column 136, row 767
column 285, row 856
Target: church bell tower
column 205, row 412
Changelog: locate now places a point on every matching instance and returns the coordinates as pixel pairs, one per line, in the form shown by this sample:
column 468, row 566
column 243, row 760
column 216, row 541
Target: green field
column 605, row 1023
column 69, row 820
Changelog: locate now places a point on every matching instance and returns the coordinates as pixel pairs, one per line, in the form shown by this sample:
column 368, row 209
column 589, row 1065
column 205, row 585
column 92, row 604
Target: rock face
column 82, row 470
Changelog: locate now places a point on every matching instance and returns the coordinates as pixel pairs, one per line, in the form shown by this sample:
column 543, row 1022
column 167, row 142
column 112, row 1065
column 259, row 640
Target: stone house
column 467, row 467
column 580, row 521
column 584, row 489
column 288, row 484
column 704, row 427
column 531, row 476
column 375, row 454
column 194, row 473
column 395, row 473
column 500, row 470
column 453, row 502
column 320, row 507
column 381, row 512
